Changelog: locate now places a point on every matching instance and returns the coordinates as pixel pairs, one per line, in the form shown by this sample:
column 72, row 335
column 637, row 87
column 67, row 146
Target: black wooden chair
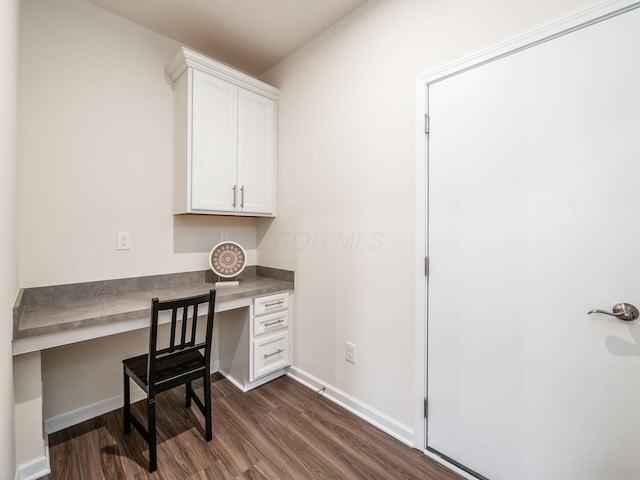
column 179, row 363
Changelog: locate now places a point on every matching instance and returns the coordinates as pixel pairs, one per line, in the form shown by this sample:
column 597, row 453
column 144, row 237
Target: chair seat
column 176, row 365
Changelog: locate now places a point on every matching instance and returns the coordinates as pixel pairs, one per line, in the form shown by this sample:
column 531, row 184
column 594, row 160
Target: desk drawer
column 270, row 354
column 271, row 303
column 271, row 322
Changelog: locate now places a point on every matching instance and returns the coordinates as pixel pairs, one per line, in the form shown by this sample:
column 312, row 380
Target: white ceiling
column 252, row 35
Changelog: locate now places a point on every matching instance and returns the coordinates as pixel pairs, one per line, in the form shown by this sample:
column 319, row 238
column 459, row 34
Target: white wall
column 8, row 225
column 346, row 180
column 96, row 149
column 95, row 157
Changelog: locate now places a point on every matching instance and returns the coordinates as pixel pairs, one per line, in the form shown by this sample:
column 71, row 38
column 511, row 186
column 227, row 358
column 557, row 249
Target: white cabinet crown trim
column 185, row 58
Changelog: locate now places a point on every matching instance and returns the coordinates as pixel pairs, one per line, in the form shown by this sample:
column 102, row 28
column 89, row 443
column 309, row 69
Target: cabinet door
column 214, row 143
column 256, row 153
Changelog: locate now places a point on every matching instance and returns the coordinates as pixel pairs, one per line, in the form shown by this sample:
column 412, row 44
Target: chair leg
column 207, row 407
column 151, row 423
column 127, row 403
column 187, row 387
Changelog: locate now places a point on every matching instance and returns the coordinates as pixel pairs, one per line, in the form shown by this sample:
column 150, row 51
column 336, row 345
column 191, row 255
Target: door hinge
column 426, row 123
column 426, row 407
column 426, row 266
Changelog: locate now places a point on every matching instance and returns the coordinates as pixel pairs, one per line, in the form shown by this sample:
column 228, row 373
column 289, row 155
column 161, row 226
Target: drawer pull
column 271, row 324
column 277, row 352
column 273, row 304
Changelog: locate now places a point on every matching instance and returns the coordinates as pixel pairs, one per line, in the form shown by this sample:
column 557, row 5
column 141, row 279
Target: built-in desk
column 258, row 321
column 45, row 317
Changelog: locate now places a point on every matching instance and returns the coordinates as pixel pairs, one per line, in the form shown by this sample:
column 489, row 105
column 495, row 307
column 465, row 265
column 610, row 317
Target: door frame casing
column 567, row 25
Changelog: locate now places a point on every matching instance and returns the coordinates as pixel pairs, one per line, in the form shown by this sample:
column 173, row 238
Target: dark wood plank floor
column 281, row 430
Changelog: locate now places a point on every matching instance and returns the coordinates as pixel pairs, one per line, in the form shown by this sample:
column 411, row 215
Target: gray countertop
column 45, row 310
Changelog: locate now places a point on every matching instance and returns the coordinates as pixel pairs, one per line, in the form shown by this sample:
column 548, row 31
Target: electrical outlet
column 123, row 241
column 350, row 354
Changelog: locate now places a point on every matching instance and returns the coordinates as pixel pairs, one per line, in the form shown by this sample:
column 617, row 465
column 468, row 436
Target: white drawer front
column 272, row 303
column 271, row 322
column 270, row 354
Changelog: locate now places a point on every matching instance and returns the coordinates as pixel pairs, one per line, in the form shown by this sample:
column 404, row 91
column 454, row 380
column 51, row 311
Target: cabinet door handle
column 234, row 195
column 271, row 324
column 273, row 304
column 242, row 196
column 277, row 352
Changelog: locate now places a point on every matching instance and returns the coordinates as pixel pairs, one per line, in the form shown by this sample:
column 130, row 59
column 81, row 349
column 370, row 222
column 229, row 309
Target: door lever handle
column 622, row 311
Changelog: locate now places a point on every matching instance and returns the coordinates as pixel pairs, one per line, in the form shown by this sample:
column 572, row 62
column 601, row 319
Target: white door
column 256, row 154
column 214, row 144
column 534, row 219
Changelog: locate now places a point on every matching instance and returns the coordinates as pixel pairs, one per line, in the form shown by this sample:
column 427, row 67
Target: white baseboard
column 79, row 415
column 256, row 383
column 36, row 467
column 366, row 412
column 233, row 381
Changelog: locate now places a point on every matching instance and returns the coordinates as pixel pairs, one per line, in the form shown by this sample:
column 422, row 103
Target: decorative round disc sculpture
column 227, row 259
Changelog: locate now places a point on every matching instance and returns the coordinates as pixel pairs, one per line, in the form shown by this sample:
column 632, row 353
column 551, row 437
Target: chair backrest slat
column 185, row 311
column 172, row 341
column 193, row 325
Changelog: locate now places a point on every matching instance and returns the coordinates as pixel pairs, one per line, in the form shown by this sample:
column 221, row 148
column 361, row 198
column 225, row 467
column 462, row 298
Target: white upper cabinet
column 224, row 160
